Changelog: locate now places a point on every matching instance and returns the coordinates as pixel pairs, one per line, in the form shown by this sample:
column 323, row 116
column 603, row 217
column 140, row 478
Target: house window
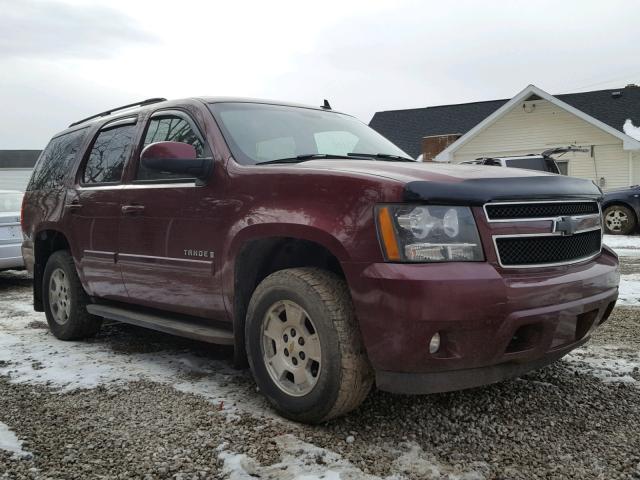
column 563, row 167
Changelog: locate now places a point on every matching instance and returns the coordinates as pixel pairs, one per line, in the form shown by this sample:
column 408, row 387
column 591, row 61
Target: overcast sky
column 62, row 60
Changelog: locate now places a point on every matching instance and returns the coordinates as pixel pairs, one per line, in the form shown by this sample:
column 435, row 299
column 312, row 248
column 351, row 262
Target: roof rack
column 148, row 101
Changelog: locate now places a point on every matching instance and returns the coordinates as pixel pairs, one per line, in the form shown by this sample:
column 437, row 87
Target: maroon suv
column 319, row 250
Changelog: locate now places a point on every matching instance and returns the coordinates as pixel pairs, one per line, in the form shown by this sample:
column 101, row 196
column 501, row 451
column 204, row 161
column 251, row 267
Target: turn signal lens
column 388, row 235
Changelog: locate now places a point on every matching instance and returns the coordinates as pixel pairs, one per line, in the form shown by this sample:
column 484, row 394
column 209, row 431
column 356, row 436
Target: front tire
column 619, row 220
column 304, row 345
column 65, row 301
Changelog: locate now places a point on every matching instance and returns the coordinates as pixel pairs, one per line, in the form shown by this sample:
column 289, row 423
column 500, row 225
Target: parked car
column 529, row 162
column 543, row 162
column 319, row 250
column 10, row 231
column 621, row 210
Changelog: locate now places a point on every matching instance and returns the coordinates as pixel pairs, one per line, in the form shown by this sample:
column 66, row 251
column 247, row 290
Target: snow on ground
column 304, row 461
column 10, row 443
column 629, row 290
column 33, row 355
column 624, row 245
column 627, row 246
column 610, row 363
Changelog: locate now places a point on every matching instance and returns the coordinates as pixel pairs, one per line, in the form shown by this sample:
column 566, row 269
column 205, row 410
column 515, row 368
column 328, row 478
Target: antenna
column 326, row 105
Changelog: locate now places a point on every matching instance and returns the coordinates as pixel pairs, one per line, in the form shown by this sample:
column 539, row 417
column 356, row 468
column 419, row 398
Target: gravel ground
column 138, row 404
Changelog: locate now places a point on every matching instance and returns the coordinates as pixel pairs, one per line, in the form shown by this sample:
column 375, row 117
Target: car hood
column 465, row 184
column 632, row 189
column 410, row 171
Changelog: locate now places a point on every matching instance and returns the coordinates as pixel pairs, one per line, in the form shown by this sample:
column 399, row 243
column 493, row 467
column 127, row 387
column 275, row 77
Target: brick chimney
column 434, row 144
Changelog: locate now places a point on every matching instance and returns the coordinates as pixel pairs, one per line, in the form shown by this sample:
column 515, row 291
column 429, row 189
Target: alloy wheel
column 59, row 296
column 291, row 348
column 616, row 220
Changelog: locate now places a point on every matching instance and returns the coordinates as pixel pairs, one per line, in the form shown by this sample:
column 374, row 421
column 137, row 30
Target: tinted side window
column 534, row 163
column 55, row 161
column 169, row 128
column 552, row 167
column 109, row 154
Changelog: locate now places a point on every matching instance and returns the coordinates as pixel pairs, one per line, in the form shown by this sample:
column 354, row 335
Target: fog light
column 434, row 344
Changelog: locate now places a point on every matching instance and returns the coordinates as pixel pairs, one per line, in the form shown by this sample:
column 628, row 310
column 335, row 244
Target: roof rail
column 148, row 101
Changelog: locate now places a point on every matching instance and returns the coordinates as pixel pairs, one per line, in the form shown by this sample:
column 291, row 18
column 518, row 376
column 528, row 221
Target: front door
column 93, row 207
column 168, row 230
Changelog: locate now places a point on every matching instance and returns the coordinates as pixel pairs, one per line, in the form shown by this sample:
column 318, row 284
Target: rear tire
column 619, row 220
column 65, row 301
column 304, row 345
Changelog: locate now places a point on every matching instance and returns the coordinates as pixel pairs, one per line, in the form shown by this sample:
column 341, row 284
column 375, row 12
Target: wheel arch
column 258, row 256
column 46, row 242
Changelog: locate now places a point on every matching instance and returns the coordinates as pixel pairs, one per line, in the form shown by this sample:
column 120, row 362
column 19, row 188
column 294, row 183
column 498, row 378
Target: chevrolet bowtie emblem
column 565, row 225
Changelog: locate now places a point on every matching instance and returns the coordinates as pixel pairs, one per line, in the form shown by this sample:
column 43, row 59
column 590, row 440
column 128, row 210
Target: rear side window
column 109, row 154
column 534, row 163
column 56, row 161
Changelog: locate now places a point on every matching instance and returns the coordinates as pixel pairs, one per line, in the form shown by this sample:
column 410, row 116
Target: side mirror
column 175, row 157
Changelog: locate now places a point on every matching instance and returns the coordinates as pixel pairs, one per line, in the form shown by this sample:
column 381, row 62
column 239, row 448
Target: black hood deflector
column 478, row 191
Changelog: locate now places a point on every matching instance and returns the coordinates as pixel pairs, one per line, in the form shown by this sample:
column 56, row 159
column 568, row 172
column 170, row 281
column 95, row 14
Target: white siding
column 635, row 180
column 613, row 165
column 528, row 129
column 581, row 165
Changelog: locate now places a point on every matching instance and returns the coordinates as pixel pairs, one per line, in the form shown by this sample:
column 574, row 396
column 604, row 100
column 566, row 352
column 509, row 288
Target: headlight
column 428, row 233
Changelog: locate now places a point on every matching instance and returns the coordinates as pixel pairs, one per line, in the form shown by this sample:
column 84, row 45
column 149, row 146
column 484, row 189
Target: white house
column 601, row 122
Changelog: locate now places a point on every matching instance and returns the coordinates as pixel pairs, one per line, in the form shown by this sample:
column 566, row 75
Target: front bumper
column 493, row 323
column 10, row 257
column 437, row 382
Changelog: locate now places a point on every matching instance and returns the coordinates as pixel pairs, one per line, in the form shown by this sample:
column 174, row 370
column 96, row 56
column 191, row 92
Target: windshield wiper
column 348, row 156
column 304, row 158
column 382, row 156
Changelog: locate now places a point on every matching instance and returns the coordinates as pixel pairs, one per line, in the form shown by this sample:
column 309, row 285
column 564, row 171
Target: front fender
column 265, row 231
column 292, row 230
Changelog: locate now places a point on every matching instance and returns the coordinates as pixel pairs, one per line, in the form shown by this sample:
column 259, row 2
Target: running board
column 193, row 329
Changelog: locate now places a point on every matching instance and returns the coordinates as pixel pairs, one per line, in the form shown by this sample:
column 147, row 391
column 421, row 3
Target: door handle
column 73, row 206
column 132, row 209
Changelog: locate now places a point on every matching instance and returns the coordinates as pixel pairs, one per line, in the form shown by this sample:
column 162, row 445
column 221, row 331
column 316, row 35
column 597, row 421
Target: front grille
column 505, row 211
column 547, row 249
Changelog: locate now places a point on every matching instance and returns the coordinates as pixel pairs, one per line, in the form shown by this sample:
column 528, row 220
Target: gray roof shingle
column 406, row 128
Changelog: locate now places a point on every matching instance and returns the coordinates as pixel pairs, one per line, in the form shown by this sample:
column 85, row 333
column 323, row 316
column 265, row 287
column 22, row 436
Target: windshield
column 534, row 163
column 10, row 202
column 259, row 133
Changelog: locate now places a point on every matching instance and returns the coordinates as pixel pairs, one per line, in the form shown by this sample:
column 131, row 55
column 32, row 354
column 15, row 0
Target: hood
column 631, row 189
column 406, row 172
column 465, row 184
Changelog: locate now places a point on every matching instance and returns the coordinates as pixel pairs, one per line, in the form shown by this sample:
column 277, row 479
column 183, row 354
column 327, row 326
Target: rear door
column 93, row 207
column 169, row 228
